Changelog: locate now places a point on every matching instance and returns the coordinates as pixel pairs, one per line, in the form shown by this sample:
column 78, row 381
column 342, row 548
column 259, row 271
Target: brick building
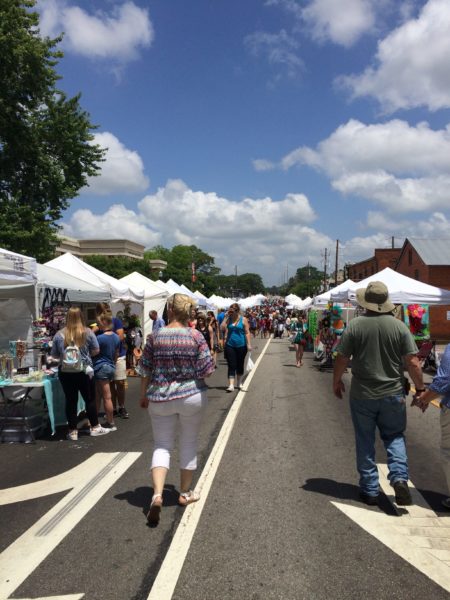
column 428, row 260
column 383, row 257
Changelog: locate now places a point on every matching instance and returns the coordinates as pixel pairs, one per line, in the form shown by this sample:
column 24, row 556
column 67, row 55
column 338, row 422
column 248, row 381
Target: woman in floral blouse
column 172, row 368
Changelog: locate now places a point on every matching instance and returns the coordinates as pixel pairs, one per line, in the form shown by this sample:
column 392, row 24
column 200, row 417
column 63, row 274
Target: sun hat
column 375, row 297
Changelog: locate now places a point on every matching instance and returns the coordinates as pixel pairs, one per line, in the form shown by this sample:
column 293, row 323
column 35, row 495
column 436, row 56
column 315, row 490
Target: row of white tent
column 402, row 290
column 24, row 285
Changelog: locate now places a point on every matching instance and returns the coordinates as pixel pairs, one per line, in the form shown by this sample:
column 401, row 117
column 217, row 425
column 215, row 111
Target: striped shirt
column 176, row 360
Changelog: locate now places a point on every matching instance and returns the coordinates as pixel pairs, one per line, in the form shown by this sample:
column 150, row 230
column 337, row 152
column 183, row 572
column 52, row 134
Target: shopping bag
column 250, row 364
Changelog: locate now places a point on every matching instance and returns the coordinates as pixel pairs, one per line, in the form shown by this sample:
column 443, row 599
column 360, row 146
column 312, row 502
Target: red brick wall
column 417, row 266
column 439, row 326
column 383, row 257
column 387, row 257
column 362, row 269
column 438, row 276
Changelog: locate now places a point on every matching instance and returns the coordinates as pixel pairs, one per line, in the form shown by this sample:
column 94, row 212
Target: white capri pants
column 165, row 416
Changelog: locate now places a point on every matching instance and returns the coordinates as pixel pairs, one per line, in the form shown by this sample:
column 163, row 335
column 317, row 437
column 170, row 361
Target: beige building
column 83, row 248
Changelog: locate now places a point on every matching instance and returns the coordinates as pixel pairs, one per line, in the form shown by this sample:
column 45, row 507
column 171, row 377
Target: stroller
column 429, row 360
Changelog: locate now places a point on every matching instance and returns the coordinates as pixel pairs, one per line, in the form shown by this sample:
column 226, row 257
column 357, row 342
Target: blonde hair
column 181, row 306
column 75, row 330
column 106, row 320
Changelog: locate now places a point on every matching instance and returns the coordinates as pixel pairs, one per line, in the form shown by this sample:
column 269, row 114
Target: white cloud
column 437, row 225
column 122, row 171
column 117, row 35
column 401, row 167
column 118, row 222
column 279, row 49
column 342, row 22
column 261, row 164
column 411, row 64
column 257, row 235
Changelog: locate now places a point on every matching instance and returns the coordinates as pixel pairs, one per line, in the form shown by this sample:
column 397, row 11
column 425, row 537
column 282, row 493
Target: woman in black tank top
column 206, row 330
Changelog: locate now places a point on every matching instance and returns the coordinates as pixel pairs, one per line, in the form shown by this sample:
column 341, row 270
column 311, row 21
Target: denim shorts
column 105, row 372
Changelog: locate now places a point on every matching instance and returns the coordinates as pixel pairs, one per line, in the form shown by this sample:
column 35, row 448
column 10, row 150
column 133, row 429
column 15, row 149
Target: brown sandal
column 188, row 498
column 154, row 511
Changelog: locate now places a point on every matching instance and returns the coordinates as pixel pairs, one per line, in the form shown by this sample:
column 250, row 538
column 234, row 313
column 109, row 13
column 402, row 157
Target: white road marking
column 417, row 533
column 166, row 580
column 69, row 597
column 89, row 482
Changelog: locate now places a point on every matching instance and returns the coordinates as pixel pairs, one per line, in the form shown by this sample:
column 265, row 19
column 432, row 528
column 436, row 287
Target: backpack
column 72, row 361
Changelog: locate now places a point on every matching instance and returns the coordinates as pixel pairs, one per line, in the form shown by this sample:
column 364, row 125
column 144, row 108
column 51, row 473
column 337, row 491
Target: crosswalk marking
column 87, row 483
column 416, row 533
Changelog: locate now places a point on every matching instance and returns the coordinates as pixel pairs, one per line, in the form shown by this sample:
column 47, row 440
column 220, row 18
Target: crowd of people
column 180, row 354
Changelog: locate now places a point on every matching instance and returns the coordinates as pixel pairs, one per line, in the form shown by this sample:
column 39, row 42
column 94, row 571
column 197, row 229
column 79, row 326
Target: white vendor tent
column 256, row 300
column 173, row 287
column 293, row 299
column 50, row 280
column 16, row 269
column 220, row 302
column 325, row 298
column 297, row 303
column 402, row 290
column 155, row 297
column 188, row 292
column 73, row 265
column 17, row 297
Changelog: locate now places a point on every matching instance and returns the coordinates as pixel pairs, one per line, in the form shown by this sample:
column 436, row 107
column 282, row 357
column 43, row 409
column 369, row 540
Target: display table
column 53, row 394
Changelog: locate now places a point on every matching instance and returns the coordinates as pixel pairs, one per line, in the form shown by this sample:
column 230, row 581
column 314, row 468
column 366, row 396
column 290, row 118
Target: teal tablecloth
column 56, row 402
column 54, row 397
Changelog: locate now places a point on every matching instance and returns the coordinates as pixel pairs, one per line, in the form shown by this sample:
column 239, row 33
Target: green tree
column 250, row 284
column 116, row 266
column 179, row 266
column 308, row 281
column 46, row 150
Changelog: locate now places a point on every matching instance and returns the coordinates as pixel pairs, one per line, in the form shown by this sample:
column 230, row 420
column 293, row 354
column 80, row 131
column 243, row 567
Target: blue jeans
column 389, row 415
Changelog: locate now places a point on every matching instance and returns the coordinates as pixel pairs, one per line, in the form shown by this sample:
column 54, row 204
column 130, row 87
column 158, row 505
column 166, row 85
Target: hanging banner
column 17, row 268
column 417, row 318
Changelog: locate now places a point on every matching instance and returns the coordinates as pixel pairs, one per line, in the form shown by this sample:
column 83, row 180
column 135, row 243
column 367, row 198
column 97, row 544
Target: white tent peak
column 402, row 289
column 68, row 263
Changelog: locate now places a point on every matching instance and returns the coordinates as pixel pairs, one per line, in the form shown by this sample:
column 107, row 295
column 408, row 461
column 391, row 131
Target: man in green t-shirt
column 380, row 346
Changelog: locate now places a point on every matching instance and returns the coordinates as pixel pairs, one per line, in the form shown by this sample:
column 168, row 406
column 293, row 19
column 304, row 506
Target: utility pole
column 325, row 270
column 336, row 264
column 393, row 242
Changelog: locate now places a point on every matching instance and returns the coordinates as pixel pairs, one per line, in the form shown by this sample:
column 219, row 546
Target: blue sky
column 262, row 130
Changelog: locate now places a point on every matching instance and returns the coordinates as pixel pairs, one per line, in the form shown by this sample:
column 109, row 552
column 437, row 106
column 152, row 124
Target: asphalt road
column 269, row 528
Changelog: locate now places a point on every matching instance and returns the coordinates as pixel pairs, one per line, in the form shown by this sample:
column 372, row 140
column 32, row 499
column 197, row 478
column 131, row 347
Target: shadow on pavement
column 345, row 491
column 141, row 496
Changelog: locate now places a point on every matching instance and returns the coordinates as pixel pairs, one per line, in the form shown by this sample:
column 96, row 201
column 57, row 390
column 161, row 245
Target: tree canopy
column 46, row 149
column 308, row 281
column 208, row 278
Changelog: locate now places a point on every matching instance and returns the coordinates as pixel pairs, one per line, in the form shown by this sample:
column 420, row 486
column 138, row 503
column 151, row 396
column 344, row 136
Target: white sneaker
column 230, row 388
column 99, row 430
column 109, row 426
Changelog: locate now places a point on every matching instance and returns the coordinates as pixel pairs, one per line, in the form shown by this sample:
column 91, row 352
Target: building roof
column 434, row 251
